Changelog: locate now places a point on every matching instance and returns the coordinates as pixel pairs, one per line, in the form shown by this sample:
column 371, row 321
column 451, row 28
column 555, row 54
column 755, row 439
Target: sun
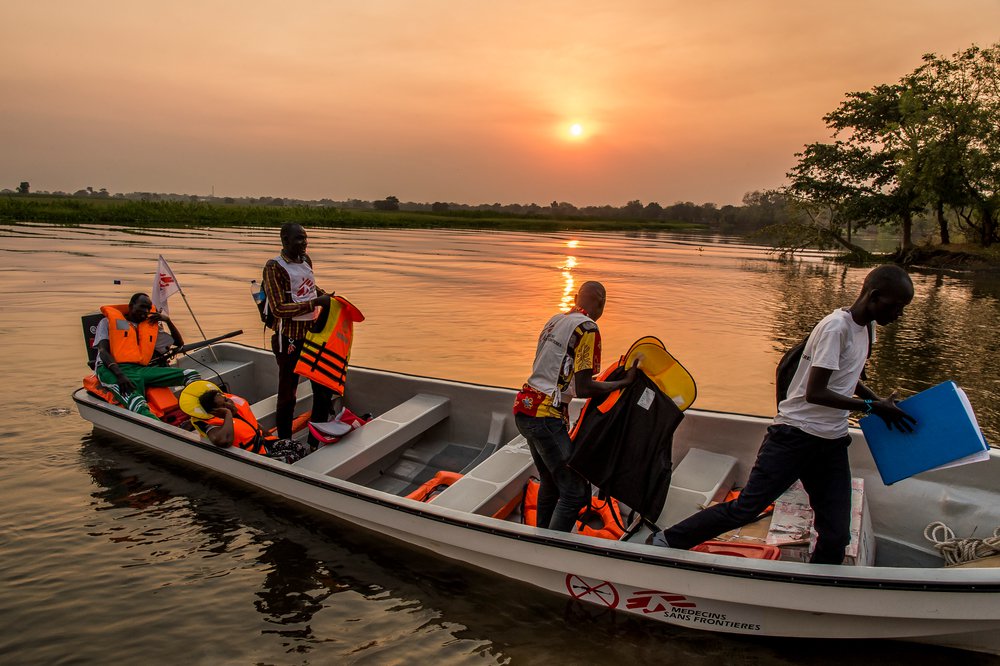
column 576, row 130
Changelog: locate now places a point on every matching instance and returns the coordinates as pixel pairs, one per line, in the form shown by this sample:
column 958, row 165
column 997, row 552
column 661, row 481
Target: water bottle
column 256, row 292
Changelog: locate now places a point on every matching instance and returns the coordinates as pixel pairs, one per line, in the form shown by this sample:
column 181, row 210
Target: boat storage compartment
column 378, row 438
column 492, row 484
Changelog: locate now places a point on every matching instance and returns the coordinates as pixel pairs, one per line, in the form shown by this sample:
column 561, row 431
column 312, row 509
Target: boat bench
column 233, row 373
column 265, row 409
column 378, row 438
column 700, row 478
column 492, row 484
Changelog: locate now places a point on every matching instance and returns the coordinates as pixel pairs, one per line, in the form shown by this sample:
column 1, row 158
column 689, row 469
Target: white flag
column 164, row 285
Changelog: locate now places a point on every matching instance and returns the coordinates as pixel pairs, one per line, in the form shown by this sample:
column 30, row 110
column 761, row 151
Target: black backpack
column 260, row 299
column 789, row 363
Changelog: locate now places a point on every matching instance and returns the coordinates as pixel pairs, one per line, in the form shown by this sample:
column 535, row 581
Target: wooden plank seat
column 379, row 437
column 493, row 483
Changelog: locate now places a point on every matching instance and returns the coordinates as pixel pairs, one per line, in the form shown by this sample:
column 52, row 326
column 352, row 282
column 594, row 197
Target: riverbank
column 952, row 257
column 174, row 214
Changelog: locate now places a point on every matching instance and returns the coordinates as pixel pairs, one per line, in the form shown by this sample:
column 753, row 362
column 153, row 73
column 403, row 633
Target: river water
column 110, row 554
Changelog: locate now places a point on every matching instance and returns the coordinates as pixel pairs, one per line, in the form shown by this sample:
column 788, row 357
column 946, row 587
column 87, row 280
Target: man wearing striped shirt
column 294, row 300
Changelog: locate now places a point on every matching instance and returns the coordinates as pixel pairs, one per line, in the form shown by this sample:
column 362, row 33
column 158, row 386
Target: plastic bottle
column 256, row 292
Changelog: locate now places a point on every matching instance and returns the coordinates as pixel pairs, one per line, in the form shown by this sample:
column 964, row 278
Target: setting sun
column 576, row 130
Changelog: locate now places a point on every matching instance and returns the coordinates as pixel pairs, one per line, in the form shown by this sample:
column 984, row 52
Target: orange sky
column 439, row 100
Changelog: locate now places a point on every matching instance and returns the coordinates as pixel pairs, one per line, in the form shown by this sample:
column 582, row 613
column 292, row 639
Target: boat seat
column 233, row 373
column 701, row 477
column 378, row 438
column 267, row 407
column 492, row 484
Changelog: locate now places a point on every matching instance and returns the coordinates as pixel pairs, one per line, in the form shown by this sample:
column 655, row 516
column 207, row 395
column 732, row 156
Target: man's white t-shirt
column 839, row 344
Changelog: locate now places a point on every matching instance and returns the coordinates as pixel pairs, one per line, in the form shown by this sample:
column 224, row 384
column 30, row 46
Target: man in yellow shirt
column 567, row 358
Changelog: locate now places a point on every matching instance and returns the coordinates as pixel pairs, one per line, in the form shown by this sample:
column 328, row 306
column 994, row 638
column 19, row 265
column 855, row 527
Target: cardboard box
column 790, row 528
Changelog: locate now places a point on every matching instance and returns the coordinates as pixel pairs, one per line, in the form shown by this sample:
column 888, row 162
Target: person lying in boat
column 126, row 340
column 566, row 359
column 808, row 439
column 227, row 420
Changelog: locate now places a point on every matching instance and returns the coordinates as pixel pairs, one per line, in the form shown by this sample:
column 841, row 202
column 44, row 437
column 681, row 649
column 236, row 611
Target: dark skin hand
column 225, row 434
column 588, row 387
column 819, row 393
column 104, row 352
column 157, row 317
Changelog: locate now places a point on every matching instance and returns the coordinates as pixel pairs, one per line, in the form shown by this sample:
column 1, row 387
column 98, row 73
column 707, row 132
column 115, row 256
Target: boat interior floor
column 419, row 463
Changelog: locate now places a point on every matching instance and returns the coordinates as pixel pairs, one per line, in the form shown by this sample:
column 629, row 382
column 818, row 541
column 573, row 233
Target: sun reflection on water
column 566, row 302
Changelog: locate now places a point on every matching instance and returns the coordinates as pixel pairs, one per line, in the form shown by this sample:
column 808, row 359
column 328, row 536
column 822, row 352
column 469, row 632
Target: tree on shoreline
column 929, row 144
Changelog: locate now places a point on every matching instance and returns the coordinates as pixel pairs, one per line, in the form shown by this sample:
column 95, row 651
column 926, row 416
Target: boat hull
column 957, row 608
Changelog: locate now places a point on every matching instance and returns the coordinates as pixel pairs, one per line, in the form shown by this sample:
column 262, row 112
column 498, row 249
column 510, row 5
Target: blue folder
column 946, row 434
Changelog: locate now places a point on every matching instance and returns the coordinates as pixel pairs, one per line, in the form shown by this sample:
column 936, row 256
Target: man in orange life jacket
column 294, row 299
column 566, row 360
column 227, row 420
column 125, row 341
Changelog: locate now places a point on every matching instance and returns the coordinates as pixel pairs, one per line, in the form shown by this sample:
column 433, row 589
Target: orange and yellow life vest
column 325, row 353
column 246, row 433
column 130, row 343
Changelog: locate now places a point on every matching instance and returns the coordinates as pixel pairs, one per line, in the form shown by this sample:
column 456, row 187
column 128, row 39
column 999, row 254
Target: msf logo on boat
column 603, row 592
column 654, row 601
column 165, row 281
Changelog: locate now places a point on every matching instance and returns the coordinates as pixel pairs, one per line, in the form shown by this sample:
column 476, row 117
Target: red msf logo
column 652, row 601
column 305, row 287
column 165, row 281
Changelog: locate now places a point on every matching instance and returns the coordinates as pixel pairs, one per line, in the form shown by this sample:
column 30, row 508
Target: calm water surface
column 108, row 554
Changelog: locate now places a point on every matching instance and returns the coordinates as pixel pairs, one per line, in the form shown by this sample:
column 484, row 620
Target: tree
column 960, row 98
column 389, row 203
column 930, row 142
column 24, row 187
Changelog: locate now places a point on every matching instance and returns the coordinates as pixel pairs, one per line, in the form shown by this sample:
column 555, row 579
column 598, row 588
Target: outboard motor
column 90, row 322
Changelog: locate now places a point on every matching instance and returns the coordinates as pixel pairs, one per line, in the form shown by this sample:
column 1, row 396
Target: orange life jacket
column 529, row 510
column 433, row 487
column 595, row 519
column 160, row 399
column 325, row 353
column 130, row 343
column 599, row 519
column 246, row 433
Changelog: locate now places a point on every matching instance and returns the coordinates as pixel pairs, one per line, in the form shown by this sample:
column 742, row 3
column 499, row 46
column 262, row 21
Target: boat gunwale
column 664, row 560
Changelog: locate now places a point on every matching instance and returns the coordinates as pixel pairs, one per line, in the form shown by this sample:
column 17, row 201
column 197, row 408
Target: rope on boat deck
column 956, row 551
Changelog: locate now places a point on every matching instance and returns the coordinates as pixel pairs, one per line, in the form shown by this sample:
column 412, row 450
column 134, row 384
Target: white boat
column 423, row 425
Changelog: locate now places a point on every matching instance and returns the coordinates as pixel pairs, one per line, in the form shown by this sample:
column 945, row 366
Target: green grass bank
column 71, row 211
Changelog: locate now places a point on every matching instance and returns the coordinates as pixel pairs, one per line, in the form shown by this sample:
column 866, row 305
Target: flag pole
column 203, row 336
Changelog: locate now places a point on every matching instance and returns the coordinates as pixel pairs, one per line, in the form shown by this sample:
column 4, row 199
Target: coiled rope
column 956, row 551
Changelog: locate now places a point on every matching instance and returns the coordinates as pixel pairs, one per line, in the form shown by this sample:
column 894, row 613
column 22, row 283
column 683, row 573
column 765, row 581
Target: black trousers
column 785, row 455
column 288, row 384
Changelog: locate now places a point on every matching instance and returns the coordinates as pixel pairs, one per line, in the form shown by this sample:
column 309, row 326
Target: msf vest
column 130, row 343
column 302, row 284
column 246, row 433
column 551, row 355
column 324, row 354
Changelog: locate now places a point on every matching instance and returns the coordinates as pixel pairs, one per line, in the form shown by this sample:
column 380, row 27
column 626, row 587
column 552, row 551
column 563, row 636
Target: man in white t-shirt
column 808, row 439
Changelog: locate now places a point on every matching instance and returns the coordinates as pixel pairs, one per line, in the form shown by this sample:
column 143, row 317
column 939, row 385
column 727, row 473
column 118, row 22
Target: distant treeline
column 155, row 209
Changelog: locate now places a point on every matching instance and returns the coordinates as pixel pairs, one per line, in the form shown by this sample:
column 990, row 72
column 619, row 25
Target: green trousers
column 143, row 376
